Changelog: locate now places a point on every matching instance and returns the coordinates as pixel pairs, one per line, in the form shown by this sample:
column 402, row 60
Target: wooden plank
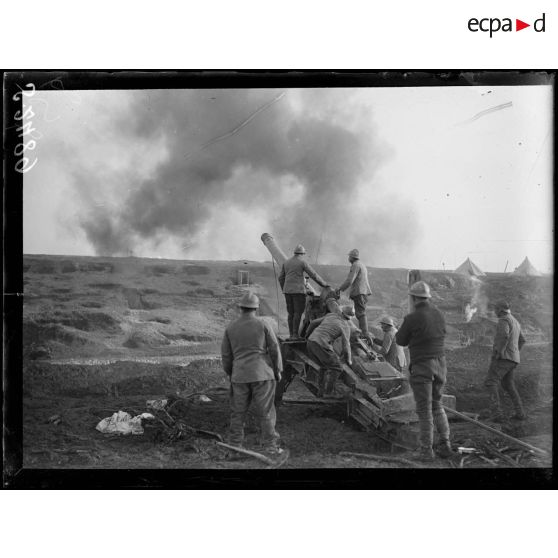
column 307, row 360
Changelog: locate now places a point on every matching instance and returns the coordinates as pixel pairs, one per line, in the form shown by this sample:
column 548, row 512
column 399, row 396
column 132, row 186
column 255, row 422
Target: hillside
column 109, row 333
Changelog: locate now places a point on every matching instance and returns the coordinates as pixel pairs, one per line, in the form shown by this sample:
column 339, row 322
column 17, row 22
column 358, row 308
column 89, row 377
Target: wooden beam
column 496, row 432
column 255, row 454
column 374, row 457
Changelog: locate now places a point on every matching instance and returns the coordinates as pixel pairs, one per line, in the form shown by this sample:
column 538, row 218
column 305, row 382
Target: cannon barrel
column 276, row 252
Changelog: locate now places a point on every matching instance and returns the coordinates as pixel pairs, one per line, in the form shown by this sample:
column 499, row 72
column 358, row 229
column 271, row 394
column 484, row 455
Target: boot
column 290, row 323
column 424, row 455
column 296, row 325
column 442, row 425
column 518, row 405
column 363, row 324
column 495, row 411
column 444, row 449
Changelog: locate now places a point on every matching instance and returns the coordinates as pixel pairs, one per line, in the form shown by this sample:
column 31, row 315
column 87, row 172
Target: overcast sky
column 413, row 177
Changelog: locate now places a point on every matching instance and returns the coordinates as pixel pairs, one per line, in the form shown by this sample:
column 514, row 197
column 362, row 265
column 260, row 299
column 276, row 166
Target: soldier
column 391, row 351
column 508, row 341
column 321, row 335
column 245, row 345
column 292, row 283
column 424, row 331
column 357, row 281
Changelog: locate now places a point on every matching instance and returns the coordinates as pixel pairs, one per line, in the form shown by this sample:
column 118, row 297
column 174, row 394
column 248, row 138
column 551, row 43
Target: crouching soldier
column 389, row 349
column 246, row 343
column 321, row 334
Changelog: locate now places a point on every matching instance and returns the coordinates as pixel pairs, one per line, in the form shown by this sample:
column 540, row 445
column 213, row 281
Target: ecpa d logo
column 492, row 25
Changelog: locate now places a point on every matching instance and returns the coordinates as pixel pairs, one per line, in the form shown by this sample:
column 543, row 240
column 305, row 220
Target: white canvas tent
column 470, row 268
column 527, row 269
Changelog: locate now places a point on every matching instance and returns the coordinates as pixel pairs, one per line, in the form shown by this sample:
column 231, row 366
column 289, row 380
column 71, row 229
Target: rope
column 277, row 293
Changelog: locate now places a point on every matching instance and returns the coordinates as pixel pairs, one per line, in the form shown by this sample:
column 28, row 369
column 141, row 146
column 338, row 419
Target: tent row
column 526, row 269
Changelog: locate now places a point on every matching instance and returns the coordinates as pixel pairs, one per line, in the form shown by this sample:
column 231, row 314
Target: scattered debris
column 497, row 432
column 55, row 419
column 156, row 404
column 467, row 450
column 205, row 399
column 123, row 423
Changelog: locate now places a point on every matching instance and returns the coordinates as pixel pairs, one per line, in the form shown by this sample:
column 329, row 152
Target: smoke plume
column 301, row 164
column 479, row 300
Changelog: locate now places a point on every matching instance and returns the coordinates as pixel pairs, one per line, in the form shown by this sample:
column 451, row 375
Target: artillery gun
column 377, row 395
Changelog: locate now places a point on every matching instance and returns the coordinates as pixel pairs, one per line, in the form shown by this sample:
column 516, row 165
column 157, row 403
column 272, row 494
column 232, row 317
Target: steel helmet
column 502, row 305
column 354, row 253
column 420, row 289
column 300, row 249
column 348, row 311
column 249, row 300
column 386, row 320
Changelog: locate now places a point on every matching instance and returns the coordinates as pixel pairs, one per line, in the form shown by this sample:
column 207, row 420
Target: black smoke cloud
column 322, row 140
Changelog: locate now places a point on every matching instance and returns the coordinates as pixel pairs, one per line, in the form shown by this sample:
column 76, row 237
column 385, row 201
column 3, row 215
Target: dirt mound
column 160, row 320
column 46, row 268
column 122, row 377
column 159, row 269
column 103, row 267
column 107, row 286
column 68, row 266
column 261, row 271
column 136, row 301
column 38, row 352
column 188, row 337
column 37, row 333
column 202, row 292
column 145, row 338
column 91, row 304
column 84, row 321
column 196, row 270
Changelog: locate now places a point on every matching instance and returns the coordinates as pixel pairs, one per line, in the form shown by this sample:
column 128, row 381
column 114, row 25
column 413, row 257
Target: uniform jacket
column 393, row 353
column 291, row 277
column 508, row 339
column 423, row 330
column 357, row 280
column 326, row 330
column 246, row 344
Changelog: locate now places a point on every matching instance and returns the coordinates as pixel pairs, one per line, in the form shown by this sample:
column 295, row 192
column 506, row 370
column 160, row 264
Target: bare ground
column 102, row 335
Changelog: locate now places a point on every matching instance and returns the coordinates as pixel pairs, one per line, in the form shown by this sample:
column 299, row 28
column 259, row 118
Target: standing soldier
column 357, row 280
column 246, row 343
column 292, row 283
column 321, row 335
column 424, row 331
column 508, row 341
column 391, row 351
